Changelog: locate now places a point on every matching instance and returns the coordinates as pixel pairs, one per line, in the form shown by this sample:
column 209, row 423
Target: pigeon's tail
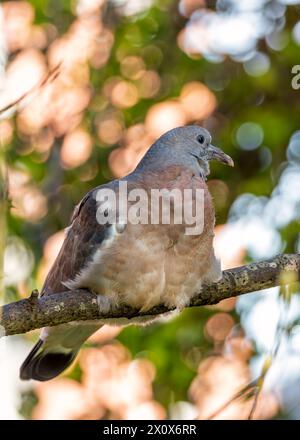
column 56, row 350
column 45, row 365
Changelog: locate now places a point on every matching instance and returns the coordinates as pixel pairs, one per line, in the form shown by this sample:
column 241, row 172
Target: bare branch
column 80, row 305
column 13, row 106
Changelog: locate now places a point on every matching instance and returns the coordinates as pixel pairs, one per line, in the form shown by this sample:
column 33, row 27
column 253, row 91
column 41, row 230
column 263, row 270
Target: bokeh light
column 258, row 65
column 296, row 32
column 293, row 151
column 249, row 136
column 76, row 149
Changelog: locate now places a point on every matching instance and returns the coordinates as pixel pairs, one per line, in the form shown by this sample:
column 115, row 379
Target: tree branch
column 80, row 305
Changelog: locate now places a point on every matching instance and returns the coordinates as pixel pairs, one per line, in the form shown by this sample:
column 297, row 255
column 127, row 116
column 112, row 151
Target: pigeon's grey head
column 189, row 146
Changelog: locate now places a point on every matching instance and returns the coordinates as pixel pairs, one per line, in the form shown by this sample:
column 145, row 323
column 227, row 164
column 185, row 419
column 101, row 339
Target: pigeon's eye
column 201, row 139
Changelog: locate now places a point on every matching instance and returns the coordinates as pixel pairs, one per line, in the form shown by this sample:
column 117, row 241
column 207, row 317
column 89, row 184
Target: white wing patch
column 89, row 275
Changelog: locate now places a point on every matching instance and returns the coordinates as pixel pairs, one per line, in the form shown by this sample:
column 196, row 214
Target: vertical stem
column 3, row 206
column 3, row 176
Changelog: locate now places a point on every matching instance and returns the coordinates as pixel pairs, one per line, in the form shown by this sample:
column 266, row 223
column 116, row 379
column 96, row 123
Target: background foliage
column 127, row 71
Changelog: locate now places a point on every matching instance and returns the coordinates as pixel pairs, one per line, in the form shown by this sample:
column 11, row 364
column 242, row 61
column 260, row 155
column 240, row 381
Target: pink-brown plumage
column 140, row 265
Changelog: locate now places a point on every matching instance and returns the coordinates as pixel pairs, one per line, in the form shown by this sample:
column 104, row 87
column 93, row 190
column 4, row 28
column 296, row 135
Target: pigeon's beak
column 215, row 153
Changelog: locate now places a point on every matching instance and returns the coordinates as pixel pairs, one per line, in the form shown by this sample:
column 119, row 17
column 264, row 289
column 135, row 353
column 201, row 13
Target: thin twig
column 50, row 77
column 246, row 391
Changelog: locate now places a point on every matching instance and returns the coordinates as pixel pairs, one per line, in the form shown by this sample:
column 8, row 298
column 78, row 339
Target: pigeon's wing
column 83, row 237
column 58, row 346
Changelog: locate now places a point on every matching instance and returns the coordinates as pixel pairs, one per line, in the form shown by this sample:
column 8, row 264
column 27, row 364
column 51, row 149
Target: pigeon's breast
column 152, row 269
column 148, row 264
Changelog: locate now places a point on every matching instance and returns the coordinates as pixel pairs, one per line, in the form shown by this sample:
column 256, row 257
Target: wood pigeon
column 139, row 264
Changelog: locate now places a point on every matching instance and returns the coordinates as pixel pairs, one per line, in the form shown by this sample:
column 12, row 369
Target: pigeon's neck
column 160, row 158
